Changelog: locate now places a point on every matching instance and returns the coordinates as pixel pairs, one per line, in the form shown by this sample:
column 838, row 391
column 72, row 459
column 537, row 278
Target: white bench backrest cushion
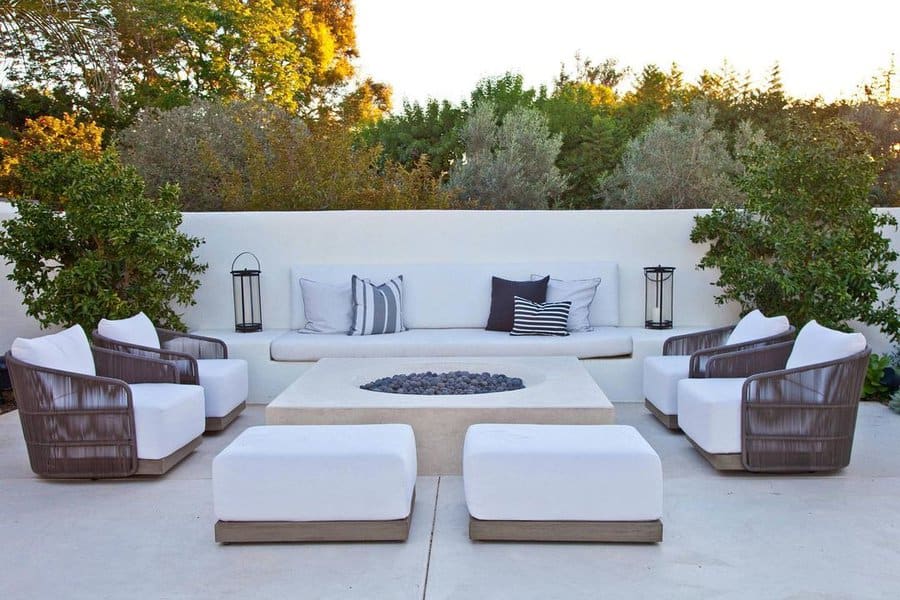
column 816, row 344
column 450, row 295
column 138, row 330
column 756, row 325
column 67, row 350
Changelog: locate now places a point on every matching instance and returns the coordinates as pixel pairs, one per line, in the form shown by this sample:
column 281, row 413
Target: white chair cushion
column 561, row 473
column 709, row 412
column 600, row 341
column 166, row 417
column 580, row 292
column 68, row 350
column 224, row 382
column 137, row 330
column 816, row 344
column 316, row 473
column 661, row 377
column 756, row 325
column 328, row 307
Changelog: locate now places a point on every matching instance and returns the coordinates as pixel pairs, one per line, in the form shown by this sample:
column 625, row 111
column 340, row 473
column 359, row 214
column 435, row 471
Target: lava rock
column 451, row 383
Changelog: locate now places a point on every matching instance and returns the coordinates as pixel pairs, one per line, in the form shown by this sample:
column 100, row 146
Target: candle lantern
column 247, row 301
column 658, row 288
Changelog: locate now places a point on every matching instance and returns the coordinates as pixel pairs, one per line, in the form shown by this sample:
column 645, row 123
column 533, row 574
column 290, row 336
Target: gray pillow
column 580, row 292
column 327, row 306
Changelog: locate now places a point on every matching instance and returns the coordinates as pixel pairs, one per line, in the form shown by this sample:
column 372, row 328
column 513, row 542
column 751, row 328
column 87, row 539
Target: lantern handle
column 240, row 255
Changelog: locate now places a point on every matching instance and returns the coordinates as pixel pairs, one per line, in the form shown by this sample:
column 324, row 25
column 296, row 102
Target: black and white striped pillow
column 533, row 318
column 376, row 308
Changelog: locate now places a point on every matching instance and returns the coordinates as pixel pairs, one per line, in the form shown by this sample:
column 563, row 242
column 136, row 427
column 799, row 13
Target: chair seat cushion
column 68, row 350
column 561, row 473
column 166, row 417
column 601, row 341
column 224, row 382
column 316, row 473
column 709, row 412
column 661, row 377
column 138, row 330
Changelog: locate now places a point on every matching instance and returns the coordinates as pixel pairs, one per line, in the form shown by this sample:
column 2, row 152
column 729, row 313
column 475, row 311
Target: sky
column 427, row 48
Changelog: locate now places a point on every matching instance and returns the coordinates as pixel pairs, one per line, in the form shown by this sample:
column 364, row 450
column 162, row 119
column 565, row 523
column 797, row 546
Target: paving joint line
column 437, row 493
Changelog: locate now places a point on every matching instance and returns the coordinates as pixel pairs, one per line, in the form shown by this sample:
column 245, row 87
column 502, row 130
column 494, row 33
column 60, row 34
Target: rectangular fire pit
column 558, row 390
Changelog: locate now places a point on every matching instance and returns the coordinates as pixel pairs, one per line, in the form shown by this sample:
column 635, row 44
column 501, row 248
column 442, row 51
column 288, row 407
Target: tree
column 510, row 165
column 680, row 161
column 806, row 243
column 88, row 244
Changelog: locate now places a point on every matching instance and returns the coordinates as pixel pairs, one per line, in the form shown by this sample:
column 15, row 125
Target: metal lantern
column 658, row 287
column 247, row 302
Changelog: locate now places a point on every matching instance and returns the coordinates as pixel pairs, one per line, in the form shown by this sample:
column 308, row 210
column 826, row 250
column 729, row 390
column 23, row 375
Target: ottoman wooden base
column 565, row 531
column 214, row 424
column 236, row 532
column 670, row 421
column 721, row 462
column 160, row 466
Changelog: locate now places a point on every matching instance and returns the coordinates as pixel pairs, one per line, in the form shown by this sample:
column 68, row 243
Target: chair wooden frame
column 701, row 346
column 82, row 426
column 183, row 349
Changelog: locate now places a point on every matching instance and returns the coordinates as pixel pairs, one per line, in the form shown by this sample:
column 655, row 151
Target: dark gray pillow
column 503, row 293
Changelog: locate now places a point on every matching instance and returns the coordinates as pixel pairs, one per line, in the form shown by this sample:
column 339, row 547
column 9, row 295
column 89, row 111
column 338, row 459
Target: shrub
column 89, row 244
column 510, row 165
column 45, row 134
column 807, row 244
column 680, row 161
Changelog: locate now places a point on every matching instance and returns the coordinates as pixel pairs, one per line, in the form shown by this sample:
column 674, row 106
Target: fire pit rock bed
column 451, row 383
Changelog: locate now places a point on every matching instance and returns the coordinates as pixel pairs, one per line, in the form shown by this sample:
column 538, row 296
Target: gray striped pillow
column 376, row 308
column 534, row 318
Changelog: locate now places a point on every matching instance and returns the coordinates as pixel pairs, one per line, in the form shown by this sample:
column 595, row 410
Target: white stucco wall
column 633, row 239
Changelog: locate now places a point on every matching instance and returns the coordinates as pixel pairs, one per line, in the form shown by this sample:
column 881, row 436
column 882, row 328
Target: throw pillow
column 755, row 325
column 327, row 306
column 503, row 291
column 68, row 350
column 580, row 292
column 533, row 318
column 138, row 330
column 377, row 308
column 817, row 344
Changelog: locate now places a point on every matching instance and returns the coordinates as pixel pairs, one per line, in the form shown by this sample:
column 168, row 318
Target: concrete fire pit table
column 558, row 390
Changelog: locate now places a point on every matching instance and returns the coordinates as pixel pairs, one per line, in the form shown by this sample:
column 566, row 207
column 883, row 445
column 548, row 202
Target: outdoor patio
column 739, row 535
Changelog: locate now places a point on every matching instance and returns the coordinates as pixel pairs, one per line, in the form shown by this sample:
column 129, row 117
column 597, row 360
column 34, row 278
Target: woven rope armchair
column 791, row 420
column 83, row 426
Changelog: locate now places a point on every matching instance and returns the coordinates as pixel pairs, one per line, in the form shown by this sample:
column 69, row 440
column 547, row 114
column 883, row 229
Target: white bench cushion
column 316, row 473
column 601, row 342
column 561, row 473
column 225, row 384
column 67, row 350
column 661, row 377
column 709, row 412
column 166, row 417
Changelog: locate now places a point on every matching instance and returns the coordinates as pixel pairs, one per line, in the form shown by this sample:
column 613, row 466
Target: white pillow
column 137, row 330
column 756, row 325
column 817, row 344
column 67, row 350
column 580, row 292
column 328, row 306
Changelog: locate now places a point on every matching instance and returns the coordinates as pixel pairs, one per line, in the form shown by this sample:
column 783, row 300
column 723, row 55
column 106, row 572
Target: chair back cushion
column 816, row 344
column 756, row 325
column 138, row 330
column 67, row 350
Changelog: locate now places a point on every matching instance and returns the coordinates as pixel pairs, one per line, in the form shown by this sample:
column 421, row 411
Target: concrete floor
column 726, row 536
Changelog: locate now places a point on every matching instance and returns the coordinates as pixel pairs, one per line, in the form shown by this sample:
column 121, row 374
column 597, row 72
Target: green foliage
column 807, row 243
column 89, row 244
column 873, row 387
column 510, row 165
column 680, row 161
column 246, row 157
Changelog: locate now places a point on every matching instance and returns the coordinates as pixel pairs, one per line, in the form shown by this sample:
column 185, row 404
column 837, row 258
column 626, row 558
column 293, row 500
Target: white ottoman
column 574, row 483
column 315, row 483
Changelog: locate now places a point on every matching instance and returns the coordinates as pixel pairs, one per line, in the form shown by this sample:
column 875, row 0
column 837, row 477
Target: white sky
column 427, row 48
